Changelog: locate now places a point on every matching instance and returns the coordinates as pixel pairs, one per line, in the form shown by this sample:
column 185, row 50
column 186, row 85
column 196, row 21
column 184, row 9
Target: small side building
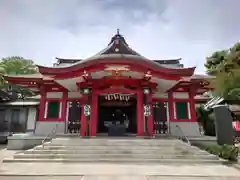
column 18, row 117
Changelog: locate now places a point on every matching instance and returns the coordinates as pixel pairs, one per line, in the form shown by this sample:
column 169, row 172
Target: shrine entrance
column 117, row 112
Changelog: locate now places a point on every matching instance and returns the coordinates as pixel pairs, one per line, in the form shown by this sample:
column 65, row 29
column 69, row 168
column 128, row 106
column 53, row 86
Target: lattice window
column 53, row 109
column 182, row 110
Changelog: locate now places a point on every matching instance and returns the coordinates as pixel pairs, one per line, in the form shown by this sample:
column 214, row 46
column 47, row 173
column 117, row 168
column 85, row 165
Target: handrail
column 54, row 130
column 182, row 136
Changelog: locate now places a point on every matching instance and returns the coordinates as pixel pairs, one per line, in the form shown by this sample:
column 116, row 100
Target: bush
column 207, row 120
column 209, row 127
column 228, row 152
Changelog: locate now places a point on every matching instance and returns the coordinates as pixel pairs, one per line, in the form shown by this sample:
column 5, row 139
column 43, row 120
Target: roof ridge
column 171, row 59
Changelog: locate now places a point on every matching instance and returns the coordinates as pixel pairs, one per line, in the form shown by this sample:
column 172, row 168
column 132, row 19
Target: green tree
column 215, row 62
column 16, row 65
column 228, row 79
column 225, row 65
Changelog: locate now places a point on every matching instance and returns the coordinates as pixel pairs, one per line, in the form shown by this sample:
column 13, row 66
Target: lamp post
column 87, row 109
column 146, row 109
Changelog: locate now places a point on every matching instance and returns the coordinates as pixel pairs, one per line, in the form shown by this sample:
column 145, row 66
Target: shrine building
column 116, row 86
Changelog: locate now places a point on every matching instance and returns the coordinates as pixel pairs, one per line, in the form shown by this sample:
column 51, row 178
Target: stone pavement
column 117, row 171
column 115, row 178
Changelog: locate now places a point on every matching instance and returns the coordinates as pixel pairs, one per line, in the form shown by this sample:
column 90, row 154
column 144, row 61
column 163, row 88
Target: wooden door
column 74, row 116
column 4, row 124
column 160, row 117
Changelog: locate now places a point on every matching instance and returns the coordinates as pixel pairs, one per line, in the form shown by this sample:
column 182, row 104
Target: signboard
column 117, row 96
column 147, row 110
column 87, row 110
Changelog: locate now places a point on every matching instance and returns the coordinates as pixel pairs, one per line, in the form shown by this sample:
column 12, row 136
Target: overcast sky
column 158, row 29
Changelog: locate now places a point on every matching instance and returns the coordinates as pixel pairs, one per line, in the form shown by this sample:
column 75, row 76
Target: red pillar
column 94, row 113
column 64, row 106
column 140, row 112
column 192, row 107
column 170, row 106
column 42, row 105
column 150, row 117
column 83, row 122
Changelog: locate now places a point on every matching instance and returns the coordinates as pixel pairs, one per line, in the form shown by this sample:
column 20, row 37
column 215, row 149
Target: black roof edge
column 166, row 61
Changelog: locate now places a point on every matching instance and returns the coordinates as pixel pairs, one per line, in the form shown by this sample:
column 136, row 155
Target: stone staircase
column 114, row 150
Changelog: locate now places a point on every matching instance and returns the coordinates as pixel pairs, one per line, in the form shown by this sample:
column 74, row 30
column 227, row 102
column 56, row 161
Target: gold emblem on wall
column 116, row 70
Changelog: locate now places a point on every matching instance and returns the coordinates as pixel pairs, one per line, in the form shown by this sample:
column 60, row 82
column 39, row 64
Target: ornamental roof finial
column 118, row 31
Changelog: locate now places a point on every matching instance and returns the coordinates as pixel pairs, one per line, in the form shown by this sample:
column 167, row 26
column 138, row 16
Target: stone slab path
column 113, row 178
column 58, row 169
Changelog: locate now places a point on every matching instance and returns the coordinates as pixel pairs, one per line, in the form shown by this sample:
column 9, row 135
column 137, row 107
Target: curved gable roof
column 117, row 52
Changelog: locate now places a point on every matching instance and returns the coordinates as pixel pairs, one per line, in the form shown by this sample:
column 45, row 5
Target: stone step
column 112, row 144
column 105, row 136
column 51, row 146
column 115, row 151
column 116, row 145
column 80, row 150
column 153, row 142
column 116, row 160
column 112, row 156
column 117, row 139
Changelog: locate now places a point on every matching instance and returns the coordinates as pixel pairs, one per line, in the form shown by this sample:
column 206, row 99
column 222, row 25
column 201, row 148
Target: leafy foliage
column 225, row 65
column 207, row 119
column 228, row 152
column 215, row 62
column 16, row 65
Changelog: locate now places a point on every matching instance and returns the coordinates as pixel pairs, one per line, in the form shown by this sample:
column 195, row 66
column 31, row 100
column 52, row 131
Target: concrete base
column 45, row 128
column 203, row 142
column 189, row 129
column 24, row 141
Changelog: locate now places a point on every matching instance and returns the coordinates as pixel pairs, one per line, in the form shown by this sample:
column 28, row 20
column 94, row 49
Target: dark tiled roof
column 168, row 61
column 68, row 61
column 72, row 61
column 118, row 49
column 118, row 45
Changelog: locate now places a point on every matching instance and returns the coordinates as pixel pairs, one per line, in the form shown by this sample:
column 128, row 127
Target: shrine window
column 181, row 110
column 53, row 109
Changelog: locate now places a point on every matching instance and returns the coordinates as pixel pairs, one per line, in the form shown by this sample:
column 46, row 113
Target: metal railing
column 50, row 135
column 182, row 136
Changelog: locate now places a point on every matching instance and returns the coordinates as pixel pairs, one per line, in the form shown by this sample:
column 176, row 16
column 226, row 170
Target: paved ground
column 116, row 178
column 116, row 171
column 61, row 171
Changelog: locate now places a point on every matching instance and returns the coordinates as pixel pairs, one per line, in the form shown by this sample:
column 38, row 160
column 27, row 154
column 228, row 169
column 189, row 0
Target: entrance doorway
column 160, row 118
column 114, row 111
column 74, row 117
